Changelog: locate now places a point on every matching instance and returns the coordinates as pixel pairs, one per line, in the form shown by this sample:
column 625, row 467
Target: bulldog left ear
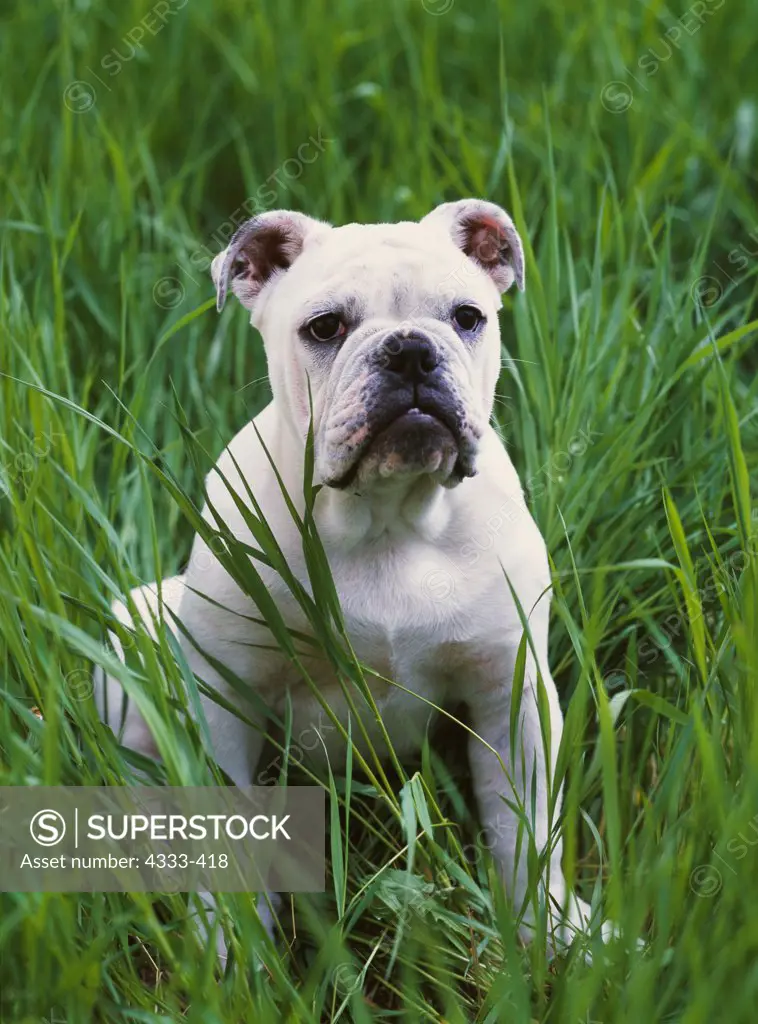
column 487, row 235
column 261, row 247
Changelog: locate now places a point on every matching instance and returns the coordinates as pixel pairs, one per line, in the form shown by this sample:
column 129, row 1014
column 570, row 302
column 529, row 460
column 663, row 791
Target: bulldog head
column 389, row 330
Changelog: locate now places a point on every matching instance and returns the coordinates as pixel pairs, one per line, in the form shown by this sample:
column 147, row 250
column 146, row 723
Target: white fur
column 420, row 568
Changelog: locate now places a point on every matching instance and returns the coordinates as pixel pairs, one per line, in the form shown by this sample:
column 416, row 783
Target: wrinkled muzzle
column 404, row 409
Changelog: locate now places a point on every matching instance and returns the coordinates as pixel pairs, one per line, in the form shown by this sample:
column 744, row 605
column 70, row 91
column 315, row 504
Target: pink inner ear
column 486, row 240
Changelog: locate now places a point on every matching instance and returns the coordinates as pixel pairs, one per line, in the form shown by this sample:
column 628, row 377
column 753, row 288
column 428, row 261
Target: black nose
column 412, row 358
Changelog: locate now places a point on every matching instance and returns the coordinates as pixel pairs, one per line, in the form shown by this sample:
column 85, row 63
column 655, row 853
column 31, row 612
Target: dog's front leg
column 236, row 748
column 513, row 792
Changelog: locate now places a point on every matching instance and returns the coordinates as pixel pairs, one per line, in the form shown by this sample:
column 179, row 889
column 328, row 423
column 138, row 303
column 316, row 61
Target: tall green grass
column 627, row 402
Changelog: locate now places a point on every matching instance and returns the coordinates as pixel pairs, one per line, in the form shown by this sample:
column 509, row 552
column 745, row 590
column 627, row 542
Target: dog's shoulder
column 245, row 475
column 501, row 533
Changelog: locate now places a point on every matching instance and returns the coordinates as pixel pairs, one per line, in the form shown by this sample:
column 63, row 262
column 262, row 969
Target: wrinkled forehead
column 387, row 270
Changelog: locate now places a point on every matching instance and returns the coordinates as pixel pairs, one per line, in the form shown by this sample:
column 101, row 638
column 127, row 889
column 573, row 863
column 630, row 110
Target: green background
column 622, row 138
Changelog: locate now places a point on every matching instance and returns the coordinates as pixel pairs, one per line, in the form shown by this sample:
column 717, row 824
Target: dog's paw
column 210, row 930
column 580, row 923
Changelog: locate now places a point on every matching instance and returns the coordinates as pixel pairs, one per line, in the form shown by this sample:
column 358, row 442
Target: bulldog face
column 392, row 326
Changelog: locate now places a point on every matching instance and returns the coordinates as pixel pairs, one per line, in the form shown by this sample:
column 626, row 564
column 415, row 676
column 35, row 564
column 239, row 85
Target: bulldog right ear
column 487, row 235
column 262, row 247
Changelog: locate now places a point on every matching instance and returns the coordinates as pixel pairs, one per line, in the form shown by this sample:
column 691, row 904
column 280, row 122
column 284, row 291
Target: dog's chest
column 397, row 712
column 401, row 610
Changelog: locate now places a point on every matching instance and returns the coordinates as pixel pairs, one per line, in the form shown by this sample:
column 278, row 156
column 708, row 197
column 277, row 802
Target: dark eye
column 468, row 318
column 326, row 327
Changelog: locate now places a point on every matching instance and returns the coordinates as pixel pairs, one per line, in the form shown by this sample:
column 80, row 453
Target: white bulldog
column 386, row 337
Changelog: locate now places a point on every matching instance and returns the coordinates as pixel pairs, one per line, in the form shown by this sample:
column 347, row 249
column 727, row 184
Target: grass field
column 622, row 138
